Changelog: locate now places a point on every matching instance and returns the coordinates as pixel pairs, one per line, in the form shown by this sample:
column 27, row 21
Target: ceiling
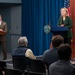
column 8, row 4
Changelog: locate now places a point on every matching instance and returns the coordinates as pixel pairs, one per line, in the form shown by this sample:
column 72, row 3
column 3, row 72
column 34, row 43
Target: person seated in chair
column 63, row 66
column 22, row 49
column 51, row 55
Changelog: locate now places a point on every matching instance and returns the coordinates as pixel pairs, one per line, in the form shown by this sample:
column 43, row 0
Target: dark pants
column 3, row 47
column 67, row 40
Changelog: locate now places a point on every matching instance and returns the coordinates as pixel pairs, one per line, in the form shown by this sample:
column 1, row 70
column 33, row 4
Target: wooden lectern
column 58, row 30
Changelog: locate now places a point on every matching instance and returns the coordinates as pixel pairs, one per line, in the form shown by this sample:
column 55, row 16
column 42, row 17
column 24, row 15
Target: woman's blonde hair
column 65, row 10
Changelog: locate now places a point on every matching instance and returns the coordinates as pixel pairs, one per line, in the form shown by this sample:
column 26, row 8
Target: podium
column 57, row 30
column 2, row 33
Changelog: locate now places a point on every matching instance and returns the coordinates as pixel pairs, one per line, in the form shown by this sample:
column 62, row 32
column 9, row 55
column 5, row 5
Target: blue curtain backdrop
column 35, row 15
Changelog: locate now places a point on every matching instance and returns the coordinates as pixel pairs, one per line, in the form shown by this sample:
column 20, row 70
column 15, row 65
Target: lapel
column 1, row 26
column 65, row 22
column 2, row 23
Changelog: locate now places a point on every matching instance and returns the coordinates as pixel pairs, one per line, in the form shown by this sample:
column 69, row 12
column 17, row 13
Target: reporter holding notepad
column 65, row 21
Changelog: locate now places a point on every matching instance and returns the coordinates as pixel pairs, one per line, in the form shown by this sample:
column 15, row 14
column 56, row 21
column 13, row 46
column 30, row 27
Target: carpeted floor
column 8, row 56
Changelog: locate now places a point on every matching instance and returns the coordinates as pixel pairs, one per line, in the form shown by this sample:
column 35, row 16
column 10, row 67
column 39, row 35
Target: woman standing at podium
column 65, row 21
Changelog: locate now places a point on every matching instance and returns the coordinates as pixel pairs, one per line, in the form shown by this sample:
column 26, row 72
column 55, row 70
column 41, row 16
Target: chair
column 37, row 66
column 2, row 65
column 20, row 62
column 39, row 57
column 32, row 73
column 12, row 72
column 73, row 74
column 1, row 71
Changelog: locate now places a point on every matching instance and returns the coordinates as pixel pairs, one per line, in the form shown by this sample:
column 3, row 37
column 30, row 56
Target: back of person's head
column 22, row 41
column 64, row 52
column 57, row 40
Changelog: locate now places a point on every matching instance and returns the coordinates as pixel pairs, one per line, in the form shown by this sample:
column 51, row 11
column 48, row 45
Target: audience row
column 57, row 59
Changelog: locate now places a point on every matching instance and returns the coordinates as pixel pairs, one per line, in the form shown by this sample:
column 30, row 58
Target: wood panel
column 72, row 6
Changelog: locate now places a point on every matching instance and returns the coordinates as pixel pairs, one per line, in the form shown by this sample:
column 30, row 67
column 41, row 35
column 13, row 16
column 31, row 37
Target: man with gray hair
column 22, row 49
column 22, row 46
column 23, row 41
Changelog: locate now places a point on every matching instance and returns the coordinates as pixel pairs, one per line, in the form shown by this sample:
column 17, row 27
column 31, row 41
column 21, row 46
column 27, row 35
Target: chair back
column 2, row 65
column 20, row 62
column 1, row 71
column 37, row 66
column 39, row 57
column 32, row 73
column 12, row 72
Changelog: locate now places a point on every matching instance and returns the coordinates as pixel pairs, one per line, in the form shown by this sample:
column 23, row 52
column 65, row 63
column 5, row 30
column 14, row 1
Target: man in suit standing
column 63, row 66
column 3, row 28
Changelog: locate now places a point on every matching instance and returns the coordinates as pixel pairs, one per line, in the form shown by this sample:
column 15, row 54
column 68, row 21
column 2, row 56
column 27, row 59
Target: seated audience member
column 22, row 48
column 51, row 55
column 62, row 66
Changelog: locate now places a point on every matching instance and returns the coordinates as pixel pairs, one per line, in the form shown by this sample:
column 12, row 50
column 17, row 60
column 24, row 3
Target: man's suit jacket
column 3, row 26
column 61, row 67
column 50, row 56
